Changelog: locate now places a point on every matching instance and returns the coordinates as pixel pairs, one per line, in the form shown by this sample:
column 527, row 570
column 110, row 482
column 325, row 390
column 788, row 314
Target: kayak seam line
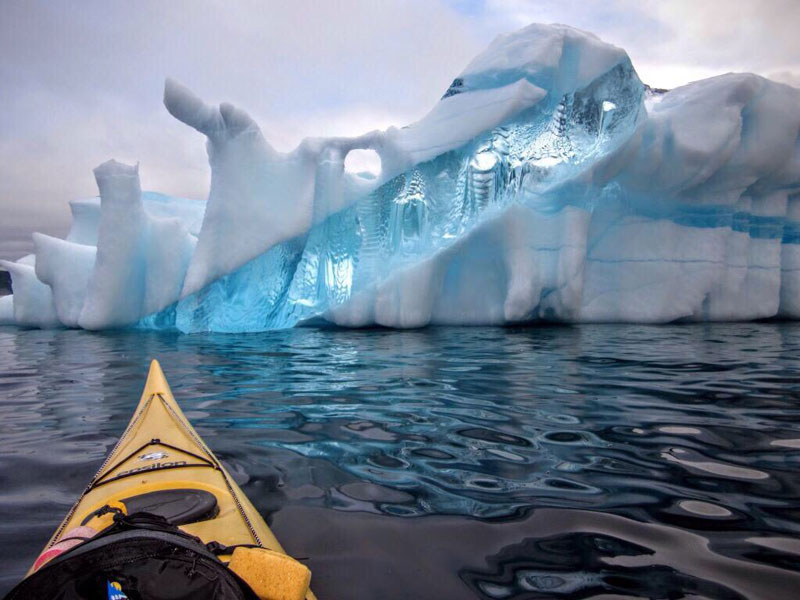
column 107, row 460
column 232, row 492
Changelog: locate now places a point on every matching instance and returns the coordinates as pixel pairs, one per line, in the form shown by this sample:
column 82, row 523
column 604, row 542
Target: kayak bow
column 161, row 461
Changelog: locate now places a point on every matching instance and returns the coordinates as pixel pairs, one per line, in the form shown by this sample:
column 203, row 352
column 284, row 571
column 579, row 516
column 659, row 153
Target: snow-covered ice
column 547, row 183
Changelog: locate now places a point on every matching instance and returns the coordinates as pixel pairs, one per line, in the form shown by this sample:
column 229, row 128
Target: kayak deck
column 160, row 450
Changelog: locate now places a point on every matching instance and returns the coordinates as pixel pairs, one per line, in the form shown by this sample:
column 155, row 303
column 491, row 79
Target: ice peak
column 554, row 57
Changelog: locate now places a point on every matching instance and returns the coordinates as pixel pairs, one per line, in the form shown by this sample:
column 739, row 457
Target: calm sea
column 606, row 461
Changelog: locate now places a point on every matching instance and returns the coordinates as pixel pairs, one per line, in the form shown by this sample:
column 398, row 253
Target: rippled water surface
column 554, row 462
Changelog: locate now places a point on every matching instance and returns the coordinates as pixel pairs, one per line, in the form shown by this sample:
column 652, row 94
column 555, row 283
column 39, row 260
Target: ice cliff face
column 547, row 183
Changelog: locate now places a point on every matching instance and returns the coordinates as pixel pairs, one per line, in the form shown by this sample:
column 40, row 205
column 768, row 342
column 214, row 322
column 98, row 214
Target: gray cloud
column 82, row 83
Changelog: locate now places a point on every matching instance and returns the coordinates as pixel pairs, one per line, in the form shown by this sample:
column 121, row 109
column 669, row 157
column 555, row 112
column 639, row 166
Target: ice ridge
column 548, row 183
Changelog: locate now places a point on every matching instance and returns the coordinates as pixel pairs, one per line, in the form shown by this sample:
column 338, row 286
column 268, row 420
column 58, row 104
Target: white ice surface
column 32, row 299
column 546, row 184
column 67, row 268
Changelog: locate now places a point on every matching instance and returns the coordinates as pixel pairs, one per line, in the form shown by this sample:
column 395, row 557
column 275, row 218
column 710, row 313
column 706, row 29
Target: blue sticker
column 115, row 591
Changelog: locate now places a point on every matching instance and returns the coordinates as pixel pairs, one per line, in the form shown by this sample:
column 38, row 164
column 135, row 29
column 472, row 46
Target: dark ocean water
column 552, row 462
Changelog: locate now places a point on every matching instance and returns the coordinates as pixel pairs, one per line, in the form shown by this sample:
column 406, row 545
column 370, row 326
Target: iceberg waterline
column 547, row 183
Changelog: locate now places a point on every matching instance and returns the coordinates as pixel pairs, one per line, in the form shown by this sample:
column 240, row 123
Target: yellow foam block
column 272, row 575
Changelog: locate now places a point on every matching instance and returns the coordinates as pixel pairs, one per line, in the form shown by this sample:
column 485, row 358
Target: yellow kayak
column 160, row 461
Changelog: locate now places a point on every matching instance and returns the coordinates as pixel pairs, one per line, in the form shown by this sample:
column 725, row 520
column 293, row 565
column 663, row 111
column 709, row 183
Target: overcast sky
column 82, row 82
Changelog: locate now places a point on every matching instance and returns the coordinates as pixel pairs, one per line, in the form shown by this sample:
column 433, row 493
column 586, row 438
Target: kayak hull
column 160, row 450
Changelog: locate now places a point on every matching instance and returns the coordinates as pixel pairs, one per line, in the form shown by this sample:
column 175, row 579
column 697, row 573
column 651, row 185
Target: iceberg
column 548, row 183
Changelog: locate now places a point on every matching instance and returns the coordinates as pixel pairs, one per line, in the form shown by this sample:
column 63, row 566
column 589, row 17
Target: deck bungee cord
column 162, row 519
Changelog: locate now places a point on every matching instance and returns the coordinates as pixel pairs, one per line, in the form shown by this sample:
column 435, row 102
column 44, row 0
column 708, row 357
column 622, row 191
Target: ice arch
column 547, row 183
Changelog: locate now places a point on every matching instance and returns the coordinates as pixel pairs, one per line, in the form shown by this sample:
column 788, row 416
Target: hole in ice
column 484, row 161
column 363, row 162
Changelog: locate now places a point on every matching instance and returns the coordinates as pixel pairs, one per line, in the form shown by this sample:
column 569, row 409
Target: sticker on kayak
column 154, row 456
column 115, row 591
column 155, row 467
